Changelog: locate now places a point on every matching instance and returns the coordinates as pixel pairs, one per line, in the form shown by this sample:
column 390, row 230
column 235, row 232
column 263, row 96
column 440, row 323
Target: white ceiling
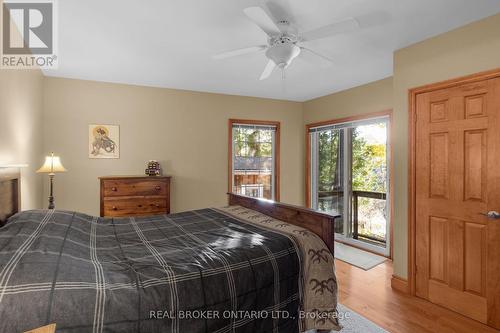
column 167, row 43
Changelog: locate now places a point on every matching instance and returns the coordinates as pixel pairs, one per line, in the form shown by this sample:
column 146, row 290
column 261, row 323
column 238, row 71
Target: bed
column 252, row 266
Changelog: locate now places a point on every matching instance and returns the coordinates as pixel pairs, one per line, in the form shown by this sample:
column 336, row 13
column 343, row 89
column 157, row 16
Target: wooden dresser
column 135, row 195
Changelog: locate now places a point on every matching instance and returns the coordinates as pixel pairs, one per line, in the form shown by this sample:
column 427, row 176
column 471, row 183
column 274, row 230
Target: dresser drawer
column 134, row 206
column 134, row 187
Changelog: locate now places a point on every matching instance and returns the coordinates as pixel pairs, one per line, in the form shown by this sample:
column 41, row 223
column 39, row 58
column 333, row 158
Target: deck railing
column 337, row 199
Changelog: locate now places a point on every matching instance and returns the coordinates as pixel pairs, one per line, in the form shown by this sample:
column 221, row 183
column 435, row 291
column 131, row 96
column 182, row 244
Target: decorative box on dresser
column 135, row 195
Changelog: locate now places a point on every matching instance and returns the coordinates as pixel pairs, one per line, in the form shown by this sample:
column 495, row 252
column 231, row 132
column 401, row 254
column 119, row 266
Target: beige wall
column 21, row 131
column 186, row 131
column 468, row 50
column 372, row 97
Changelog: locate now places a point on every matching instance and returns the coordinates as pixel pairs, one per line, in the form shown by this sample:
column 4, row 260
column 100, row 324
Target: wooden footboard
column 9, row 193
column 317, row 222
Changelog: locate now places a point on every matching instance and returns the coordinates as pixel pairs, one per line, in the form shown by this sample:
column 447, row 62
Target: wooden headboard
column 10, row 200
column 317, row 222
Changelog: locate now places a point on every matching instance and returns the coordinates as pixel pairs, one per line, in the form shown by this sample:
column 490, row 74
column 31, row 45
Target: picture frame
column 104, row 141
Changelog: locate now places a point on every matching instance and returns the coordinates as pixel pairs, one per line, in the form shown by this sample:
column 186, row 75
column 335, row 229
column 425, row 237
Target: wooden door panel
column 438, row 181
column 438, row 240
column 457, row 174
column 439, row 111
column 456, row 254
column 475, row 106
column 475, row 258
column 475, row 166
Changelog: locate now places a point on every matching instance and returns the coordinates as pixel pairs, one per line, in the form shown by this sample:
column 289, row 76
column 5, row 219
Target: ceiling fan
column 284, row 41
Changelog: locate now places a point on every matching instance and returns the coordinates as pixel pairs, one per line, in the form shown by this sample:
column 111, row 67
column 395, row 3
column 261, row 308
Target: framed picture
column 104, row 141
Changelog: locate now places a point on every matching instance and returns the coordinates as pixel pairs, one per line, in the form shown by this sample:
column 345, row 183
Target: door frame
column 412, row 111
column 386, row 113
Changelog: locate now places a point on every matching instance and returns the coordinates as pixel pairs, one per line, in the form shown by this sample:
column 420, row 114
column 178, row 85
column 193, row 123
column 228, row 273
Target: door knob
column 492, row 214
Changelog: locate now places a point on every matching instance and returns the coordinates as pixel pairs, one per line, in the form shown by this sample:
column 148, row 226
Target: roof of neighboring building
column 253, row 163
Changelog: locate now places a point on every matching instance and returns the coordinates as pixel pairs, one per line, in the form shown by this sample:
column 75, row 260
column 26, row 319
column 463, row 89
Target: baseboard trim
column 400, row 284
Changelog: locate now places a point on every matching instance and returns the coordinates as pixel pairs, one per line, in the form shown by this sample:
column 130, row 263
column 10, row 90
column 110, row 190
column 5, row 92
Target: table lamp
column 51, row 166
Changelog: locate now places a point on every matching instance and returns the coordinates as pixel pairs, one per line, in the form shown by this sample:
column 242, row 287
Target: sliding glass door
column 350, row 175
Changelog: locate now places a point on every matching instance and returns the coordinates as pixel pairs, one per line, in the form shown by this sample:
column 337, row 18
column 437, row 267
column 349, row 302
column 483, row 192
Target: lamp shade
column 52, row 165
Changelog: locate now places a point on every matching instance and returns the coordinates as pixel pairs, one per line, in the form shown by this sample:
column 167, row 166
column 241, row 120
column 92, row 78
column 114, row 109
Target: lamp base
column 51, row 195
column 51, row 203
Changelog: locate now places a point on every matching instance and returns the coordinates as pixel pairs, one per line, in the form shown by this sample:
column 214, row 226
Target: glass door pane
column 369, row 183
column 330, row 174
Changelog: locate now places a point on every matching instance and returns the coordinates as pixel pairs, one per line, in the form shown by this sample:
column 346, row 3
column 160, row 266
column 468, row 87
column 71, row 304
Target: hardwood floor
column 369, row 293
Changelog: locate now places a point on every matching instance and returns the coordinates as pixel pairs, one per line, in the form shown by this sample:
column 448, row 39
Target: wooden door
column 457, row 165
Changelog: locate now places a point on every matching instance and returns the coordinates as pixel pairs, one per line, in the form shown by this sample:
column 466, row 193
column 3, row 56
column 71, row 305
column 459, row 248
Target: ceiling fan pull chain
column 283, row 82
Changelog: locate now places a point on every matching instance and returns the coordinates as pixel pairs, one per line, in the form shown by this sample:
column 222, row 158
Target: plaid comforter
column 197, row 271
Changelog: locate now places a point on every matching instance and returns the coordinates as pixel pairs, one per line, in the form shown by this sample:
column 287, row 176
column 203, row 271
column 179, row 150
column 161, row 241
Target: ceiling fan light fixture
column 283, row 54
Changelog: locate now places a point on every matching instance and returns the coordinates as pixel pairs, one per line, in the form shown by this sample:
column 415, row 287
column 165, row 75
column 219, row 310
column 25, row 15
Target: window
column 254, row 158
column 349, row 174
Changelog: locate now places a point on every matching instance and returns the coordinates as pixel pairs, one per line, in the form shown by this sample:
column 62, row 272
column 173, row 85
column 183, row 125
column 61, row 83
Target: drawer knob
column 139, row 206
column 157, row 187
column 114, row 189
column 114, row 208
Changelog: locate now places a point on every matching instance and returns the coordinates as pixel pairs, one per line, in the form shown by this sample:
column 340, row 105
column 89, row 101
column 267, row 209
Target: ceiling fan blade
column 234, row 53
column 263, row 20
column 268, row 70
column 343, row 26
column 281, row 12
column 315, row 57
